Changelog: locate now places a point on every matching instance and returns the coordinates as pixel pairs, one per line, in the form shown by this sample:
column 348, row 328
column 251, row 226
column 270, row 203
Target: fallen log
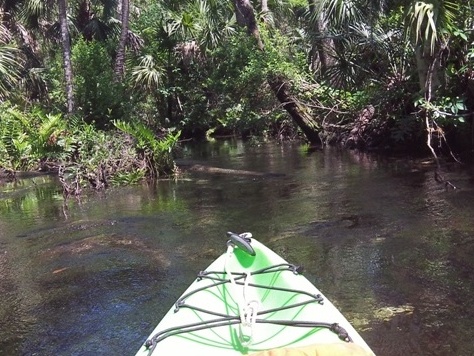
column 195, row 167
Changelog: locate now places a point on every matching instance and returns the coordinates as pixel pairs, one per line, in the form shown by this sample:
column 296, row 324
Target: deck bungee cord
column 247, row 310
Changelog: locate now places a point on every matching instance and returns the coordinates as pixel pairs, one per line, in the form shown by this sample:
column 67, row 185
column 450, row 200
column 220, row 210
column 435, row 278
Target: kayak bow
column 248, row 301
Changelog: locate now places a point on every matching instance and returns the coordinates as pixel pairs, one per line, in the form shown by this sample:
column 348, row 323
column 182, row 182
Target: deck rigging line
column 225, row 320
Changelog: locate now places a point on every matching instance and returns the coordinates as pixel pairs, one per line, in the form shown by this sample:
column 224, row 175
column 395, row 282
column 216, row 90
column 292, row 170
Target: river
column 391, row 247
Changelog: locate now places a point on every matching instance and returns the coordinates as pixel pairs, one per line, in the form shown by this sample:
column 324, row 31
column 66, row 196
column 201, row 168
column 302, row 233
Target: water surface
column 386, row 243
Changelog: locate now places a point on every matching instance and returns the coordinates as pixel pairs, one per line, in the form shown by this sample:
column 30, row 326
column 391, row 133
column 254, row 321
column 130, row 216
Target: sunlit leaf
column 147, row 75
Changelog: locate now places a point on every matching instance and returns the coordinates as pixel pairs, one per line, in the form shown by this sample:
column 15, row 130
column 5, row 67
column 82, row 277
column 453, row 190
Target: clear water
column 387, row 244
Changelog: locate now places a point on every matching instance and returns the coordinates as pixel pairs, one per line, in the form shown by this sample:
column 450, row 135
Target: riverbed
column 390, row 246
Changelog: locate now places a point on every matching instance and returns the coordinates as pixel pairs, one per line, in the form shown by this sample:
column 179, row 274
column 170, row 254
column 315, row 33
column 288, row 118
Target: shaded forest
column 102, row 92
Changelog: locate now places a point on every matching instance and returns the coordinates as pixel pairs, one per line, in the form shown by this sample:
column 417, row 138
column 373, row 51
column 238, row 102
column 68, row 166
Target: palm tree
column 428, row 25
column 66, row 44
column 20, row 49
column 120, row 59
column 95, row 19
column 337, row 47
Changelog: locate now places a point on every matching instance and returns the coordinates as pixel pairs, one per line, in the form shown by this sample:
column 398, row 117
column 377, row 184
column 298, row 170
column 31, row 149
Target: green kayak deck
column 249, row 300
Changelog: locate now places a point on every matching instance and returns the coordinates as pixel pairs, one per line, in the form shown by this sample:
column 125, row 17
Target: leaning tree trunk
column 297, row 111
column 65, row 39
column 119, row 69
column 280, row 85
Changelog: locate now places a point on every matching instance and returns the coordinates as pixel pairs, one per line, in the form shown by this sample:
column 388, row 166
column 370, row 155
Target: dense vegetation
column 104, row 90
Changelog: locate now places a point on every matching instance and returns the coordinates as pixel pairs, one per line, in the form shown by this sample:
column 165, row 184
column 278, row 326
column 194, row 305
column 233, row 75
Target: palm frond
column 10, row 129
column 134, row 41
column 97, row 29
column 340, row 11
column 147, row 75
column 5, row 34
column 31, row 12
column 422, row 20
column 49, row 125
column 10, row 68
column 428, row 19
column 146, row 139
column 36, row 7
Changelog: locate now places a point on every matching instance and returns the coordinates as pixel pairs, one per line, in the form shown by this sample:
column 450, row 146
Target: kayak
column 250, row 301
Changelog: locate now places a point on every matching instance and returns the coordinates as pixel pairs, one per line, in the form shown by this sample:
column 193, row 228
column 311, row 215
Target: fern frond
column 50, row 124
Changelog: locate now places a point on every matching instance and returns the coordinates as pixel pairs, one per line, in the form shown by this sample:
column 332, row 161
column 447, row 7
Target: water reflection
column 32, row 199
column 384, row 241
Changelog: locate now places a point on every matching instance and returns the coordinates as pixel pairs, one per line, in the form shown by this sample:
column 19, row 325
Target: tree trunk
column 264, row 6
column 297, row 111
column 428, row 68
column 120, row 59
column 246, row 17
column 279, row 85
column 324, row 46
column 65, row 39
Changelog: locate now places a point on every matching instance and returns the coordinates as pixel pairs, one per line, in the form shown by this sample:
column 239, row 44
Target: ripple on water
column 391, row 248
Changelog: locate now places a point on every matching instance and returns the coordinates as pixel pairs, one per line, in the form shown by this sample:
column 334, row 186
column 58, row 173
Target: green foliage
column 128, row 178
column 445, row 110
column 28, row 137
column 156, row 151
column 279, row 58
column 98, row 98
column 304, row 148
column 406, row 129
column 233, row 94
column 198, row 72
column 90, row 146
column 298, row 3
column 88, row 151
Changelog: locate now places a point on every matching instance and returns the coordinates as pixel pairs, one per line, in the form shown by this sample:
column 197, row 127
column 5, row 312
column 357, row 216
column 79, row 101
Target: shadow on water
column 387, row 244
